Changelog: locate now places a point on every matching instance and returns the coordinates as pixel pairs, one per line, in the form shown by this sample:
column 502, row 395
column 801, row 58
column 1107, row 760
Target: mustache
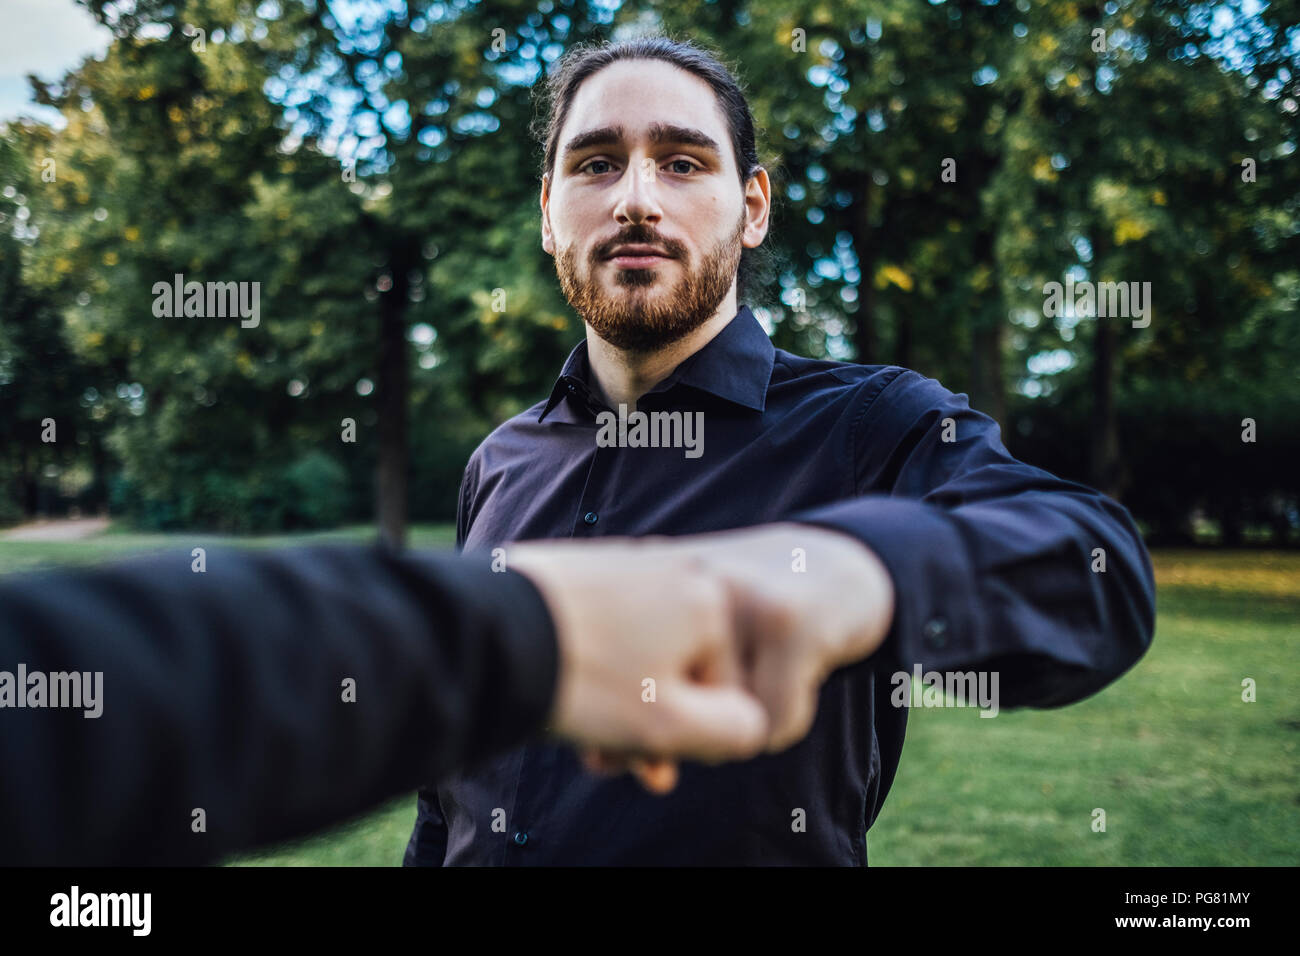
column 670, row 247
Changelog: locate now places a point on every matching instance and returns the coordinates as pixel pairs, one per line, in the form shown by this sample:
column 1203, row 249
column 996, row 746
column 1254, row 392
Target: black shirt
column 992, row 560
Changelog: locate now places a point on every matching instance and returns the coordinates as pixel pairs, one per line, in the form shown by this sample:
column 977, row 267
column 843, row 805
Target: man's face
column 662, row 175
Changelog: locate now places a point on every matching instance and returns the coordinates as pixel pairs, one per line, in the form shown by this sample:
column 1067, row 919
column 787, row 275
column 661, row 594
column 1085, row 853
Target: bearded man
column 900, row 533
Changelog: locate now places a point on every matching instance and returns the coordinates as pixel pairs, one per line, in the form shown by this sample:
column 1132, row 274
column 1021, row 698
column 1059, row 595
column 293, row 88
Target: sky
column 45, row 37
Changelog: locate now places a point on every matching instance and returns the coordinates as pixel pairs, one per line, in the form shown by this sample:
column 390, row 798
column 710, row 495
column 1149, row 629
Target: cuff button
column 936, row 631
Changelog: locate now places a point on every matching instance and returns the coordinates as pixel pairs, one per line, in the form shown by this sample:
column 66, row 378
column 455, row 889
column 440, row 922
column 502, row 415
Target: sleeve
column 997, row 565
column 261, row 699
column 427, row 845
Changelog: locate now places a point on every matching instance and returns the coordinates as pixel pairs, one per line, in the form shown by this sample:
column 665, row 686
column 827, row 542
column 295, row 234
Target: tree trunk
column 29, row 483
column 864, row 333
column 1230, row 529
column 98, row 500
column 393, row 392
column 1105, row 428
column 986, row 392
column 904, row 350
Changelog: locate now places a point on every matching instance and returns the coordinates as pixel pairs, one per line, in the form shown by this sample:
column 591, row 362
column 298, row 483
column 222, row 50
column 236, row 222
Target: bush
column 10, row 511
column 311, row 492
column 316, row 492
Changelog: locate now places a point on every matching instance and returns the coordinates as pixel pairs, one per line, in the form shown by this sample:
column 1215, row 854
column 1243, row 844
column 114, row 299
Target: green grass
column 1186, row 772
column 116, row 543
column 376, row 839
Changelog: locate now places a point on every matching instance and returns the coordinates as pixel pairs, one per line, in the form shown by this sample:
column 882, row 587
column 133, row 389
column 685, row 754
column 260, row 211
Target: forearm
column 1012, row 585
column 997, row 565
column 275, row 692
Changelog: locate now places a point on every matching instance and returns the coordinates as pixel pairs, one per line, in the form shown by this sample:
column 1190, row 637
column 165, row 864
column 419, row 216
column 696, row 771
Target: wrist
column 866, row 592
column 550, row 586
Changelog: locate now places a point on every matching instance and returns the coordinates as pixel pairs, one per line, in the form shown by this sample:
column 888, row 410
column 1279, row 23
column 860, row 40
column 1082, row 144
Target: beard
column 646, row 313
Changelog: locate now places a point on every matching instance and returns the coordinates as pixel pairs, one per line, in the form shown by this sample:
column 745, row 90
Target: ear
column 548, row 240
column 758, row 205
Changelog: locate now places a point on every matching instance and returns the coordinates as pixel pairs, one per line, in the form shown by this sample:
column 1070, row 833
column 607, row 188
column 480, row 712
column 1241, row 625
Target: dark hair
column 556, row 90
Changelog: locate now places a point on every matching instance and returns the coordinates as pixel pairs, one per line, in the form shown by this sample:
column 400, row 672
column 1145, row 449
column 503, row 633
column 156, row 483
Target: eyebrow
column 660, row 133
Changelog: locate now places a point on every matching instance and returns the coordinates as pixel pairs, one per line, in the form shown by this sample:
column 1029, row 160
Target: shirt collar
column 736, row 365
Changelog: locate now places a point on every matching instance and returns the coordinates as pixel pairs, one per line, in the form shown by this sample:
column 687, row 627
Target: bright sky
column 45, row 37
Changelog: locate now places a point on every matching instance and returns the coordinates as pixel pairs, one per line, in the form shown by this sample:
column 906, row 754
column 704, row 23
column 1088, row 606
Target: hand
column 792, row 627
column 797, row 626
column 626, row 611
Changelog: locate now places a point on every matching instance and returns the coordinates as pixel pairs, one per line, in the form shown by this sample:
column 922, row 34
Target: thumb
column 713, row 723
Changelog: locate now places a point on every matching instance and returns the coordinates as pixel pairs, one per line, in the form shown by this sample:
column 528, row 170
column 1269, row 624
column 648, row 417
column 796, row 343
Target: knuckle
column 782, row 619
column 706, row 600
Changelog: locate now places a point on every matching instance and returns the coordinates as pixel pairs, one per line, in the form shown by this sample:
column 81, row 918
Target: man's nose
column 639, row 199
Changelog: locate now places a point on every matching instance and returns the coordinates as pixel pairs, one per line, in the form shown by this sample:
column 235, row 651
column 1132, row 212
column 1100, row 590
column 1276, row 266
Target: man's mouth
column 637, row 256
column 638, row 261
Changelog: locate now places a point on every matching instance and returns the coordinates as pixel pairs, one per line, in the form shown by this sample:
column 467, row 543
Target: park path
column 60, row 529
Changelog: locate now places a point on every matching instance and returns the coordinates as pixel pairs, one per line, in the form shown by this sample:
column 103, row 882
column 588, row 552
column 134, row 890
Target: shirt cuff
column 512, row 638
column 935, row 593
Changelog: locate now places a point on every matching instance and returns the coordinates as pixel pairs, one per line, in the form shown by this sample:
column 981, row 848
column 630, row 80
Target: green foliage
column 316, row 492
column 309, row 492
column 234, row 163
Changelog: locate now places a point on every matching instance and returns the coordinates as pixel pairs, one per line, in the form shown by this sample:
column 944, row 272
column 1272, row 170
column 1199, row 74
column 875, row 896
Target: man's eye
column 690, row 166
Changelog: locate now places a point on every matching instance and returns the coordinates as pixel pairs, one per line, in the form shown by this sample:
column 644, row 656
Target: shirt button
column 936, row 631
column 591, row 517
column 521, row 837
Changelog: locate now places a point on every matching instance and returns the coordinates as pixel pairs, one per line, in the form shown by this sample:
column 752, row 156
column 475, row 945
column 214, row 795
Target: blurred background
column 369, row 164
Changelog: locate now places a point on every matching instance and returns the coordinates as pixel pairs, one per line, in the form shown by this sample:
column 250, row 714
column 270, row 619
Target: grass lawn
column 1186, row 772
column 115, row 543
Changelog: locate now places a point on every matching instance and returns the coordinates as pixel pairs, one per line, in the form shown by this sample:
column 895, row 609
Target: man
column 897, row 503
column 152, row 714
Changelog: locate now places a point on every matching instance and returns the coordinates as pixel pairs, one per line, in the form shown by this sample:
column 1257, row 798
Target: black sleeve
column 276, row 692
column 997, row 565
